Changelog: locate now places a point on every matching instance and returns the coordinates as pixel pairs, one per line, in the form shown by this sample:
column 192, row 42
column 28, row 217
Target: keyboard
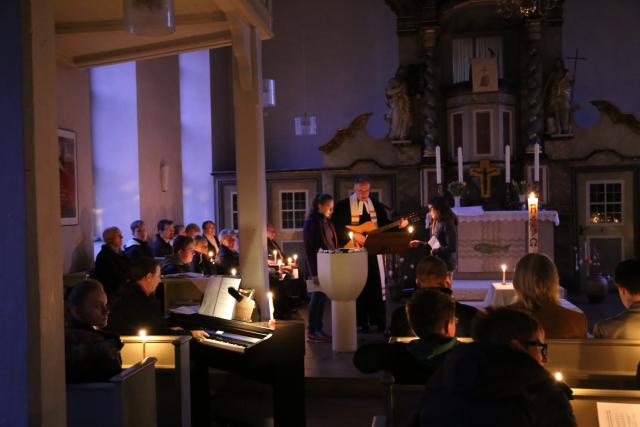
column 223, row 345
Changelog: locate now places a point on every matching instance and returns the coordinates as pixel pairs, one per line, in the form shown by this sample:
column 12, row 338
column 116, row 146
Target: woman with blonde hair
column 537, row 286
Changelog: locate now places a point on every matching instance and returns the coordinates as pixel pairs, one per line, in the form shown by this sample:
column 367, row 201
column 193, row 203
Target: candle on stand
column 504, row 274
column 233, row 272
column 536, row 163
column 142, row 333
column 460, row 170
column 533, row 223
column 507, row 163
column 351, row 238
column 438, row 166
column 270, row 298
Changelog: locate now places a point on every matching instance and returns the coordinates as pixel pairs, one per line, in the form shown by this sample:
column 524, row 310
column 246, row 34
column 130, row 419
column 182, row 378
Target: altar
column 488, row 239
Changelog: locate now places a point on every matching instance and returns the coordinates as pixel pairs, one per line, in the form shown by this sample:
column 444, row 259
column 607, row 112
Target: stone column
column 431, row 91
column 31, row 316
column 533, row 82
column 250, row 166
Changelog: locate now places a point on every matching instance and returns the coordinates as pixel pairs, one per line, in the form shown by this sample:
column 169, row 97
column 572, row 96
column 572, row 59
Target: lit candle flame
column 504, row 268
column 295, row 257
column 275, row 254
column 233, row 271
column 210, row 254
column 351, row 235
column 142, row 333
column 558, row 376
column 289, row 260
column 410, row 229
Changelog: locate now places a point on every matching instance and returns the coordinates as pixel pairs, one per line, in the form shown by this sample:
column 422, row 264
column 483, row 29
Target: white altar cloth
column 477, row 214
column 477, row 290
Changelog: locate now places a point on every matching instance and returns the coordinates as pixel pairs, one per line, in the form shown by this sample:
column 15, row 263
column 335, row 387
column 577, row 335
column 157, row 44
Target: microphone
column 235, row 294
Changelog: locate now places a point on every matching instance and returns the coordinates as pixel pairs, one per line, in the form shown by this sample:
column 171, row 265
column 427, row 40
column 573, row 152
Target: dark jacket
column 160, row 248
column 132, row 310
column 318, row 233
column 481, row 385
column 202, row 264
column 112, row 270
column 226, row 260
column 465, row 315
column 135, row 249
column 342, row 217
column 90, row 355
column 410, row 363
column 624, row 326
column 173, row 265
column 558, row 322
column 447, row 234
column 272, row 245
column 210, row 246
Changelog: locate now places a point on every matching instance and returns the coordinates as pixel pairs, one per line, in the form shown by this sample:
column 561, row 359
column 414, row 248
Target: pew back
column 583, row 358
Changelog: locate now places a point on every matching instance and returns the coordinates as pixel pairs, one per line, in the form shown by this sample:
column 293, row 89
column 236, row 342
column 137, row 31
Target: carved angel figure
column 399, row 115
column 558, row 92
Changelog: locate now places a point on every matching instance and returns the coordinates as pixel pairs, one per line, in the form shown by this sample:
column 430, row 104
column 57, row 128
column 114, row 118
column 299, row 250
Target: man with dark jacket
column 227, row 258
column 138, row 246
column 432, row 316
column 498, row 380
column 180, row 261
column 162, row 244
column 112, row 267
column 431, row 272
column 273, row 246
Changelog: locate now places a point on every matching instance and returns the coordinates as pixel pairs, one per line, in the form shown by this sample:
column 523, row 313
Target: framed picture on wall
column 67, row 167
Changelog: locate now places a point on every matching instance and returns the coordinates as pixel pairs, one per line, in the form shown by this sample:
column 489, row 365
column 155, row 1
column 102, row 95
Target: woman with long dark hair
column 444, row 227
column 319, row 233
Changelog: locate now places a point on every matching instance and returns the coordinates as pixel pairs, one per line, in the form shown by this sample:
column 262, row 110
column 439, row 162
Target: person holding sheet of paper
column 443, row 242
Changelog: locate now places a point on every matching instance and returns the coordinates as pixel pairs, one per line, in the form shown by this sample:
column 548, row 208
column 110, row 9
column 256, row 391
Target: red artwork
column 68, row 178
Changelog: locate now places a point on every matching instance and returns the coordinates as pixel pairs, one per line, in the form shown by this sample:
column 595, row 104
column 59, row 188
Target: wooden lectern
column 387, row 243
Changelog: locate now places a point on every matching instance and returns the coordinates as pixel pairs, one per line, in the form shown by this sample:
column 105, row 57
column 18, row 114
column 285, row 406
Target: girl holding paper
column 443, row 242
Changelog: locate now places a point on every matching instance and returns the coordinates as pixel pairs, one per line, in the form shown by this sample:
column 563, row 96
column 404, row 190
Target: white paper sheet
column 618, row 414
column 434, row 243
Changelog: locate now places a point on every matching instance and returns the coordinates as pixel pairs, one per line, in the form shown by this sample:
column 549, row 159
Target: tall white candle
column 533, row 223
column 507, row 164
column 504, row 274
column 536, row 163
column 438, row 166
column 460, row 171
column 270, row 297
column 351, row 238
column 142, row 333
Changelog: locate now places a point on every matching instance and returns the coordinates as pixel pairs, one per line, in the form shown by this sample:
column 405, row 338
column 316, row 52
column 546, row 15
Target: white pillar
column 250, row 166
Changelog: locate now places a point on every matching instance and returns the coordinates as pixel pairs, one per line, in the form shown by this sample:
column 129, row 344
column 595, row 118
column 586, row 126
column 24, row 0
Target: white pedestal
column 342, row 277
column 343, row 326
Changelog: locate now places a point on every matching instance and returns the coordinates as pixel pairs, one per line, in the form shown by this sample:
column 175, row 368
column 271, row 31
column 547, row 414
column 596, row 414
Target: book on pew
column 618, row 414
column 217, row 302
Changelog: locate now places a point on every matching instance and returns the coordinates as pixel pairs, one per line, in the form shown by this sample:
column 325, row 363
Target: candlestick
column 351, row 238
column 504, row 274
column 507, row 163
column 536, row 163
column 460, row 170
column 233, row 271
column 533, row 223
column 142, row 333
column 270, row 298
column 438, row 167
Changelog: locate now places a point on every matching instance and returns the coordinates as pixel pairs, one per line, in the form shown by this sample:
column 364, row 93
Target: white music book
column 618, row 414
column 217, row 301
column 434, row 242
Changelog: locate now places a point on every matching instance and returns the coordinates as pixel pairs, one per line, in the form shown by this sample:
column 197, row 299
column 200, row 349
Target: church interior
column 298, row 213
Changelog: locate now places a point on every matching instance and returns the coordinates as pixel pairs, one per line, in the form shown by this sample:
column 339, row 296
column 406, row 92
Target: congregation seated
column 112, row 267
column 227, row 258
column 202, row 263
column 180, row 261
column 537, row 287
column 432, row 317
column 432, row 272
column 91, row 355
column 192, row 230
column 498, row 380
column 209, row 233
column 625, row 325
column 138, row 246
column 161, row 246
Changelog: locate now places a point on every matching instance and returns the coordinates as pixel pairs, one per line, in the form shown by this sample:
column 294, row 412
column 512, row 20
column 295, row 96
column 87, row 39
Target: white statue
column 399, row 115
column 558, row 92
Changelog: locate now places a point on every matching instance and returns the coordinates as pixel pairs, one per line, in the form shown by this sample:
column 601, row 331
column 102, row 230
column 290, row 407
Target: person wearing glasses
column 227, row 258
column 499, row 380
column 537, row 286
column 182, row 258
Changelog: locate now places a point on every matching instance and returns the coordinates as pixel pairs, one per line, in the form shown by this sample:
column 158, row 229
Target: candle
column 438, row 168
column 233, row 271
column 289, row 261
column 460, row 171
column 142, row 333
column 507, row 163
column 504, row 274
column 351, row 238
column 410, row 229
column 536, row 163
column 558, row 376
column 275, row 255
column 295, row 258
column 270, row 298
column 533, row 223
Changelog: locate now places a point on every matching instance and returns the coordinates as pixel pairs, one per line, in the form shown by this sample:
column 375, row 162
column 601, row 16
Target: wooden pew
column 127, row 400
column 585, row 400
column 173, row 374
